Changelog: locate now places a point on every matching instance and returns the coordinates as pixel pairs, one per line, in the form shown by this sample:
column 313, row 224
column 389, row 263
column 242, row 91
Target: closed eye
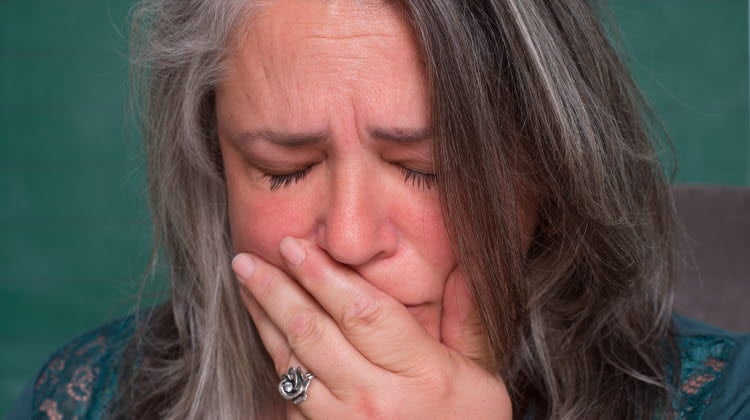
column 285, row 180
column 417, row 178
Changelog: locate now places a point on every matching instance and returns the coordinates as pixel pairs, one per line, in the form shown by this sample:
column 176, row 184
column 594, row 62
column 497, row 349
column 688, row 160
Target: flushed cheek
column 428, row 232
column 258, row 225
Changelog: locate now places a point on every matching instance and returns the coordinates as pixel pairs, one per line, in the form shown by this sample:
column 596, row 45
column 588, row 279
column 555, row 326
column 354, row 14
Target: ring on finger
column 294, row 383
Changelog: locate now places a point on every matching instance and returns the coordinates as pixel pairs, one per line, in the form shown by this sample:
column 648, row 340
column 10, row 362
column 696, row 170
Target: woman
column 404, row 209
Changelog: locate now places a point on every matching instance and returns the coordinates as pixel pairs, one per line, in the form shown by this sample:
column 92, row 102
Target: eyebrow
column 400, row 135
column 284, row 139
column 301, row 139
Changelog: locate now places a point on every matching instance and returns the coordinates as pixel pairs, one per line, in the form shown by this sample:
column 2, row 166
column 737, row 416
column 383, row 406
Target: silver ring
column 294, row 383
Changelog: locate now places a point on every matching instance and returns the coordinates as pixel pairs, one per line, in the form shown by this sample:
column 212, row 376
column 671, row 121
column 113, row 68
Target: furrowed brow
column 301, row 139
column 400, row 135
column 289, row 139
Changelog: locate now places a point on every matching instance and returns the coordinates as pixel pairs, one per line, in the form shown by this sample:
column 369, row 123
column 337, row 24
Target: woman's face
column 323, row 126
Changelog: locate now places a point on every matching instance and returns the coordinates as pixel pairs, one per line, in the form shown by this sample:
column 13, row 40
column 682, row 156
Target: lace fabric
column 703, row 360
column 79, row 381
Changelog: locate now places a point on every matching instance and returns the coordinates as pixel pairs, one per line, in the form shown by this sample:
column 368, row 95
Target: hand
column 370, row 357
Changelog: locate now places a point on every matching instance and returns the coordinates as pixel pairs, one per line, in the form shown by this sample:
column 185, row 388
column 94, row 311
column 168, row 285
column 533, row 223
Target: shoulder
column 714, row 371
column 80, row 379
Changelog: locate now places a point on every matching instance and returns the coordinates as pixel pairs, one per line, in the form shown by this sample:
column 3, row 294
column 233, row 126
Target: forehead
column 302, row 59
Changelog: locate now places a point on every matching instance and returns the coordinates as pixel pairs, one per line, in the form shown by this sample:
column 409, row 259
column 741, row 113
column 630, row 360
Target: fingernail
column 244, row 266
column 292, row 251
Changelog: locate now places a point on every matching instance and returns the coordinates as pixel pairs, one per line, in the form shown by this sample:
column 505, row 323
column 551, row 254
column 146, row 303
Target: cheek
column 422, row 228
column 259, row 221
column 428, row 230
column 439, row 248
column 248, row 235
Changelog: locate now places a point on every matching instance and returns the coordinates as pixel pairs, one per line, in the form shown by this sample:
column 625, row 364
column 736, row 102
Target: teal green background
column 75, row 228
column 690, row 58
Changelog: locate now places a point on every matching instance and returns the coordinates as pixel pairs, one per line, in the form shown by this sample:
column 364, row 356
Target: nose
column 355, row 225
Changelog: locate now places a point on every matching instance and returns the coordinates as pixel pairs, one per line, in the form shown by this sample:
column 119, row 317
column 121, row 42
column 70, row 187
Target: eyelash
column 278, row 181
column 416, row 178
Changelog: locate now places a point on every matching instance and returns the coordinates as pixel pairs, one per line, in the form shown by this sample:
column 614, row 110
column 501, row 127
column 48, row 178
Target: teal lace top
column 79, row 380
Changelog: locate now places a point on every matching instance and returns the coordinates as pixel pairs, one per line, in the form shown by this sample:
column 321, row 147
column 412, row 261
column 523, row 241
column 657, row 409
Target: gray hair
column 204, row 348
column 528, row 99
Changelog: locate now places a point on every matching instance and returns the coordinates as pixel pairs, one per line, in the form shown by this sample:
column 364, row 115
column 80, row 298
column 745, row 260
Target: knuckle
column 360, row 313
column 304, row 328
column 369, row 405
column 438, row 379
column 438, row 382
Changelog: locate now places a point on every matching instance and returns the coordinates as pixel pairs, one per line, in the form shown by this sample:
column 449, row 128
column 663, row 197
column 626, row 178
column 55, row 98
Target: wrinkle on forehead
column 296, row 51
column 290, row 30
column 332, row 19
column 320, row 22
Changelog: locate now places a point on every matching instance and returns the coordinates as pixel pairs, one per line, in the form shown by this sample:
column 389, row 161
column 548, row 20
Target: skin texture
column 300, row 71
column 368, row 296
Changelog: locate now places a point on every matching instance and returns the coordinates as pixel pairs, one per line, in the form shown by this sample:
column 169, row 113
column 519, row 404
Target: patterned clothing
column 79, row 380
column 715, row 372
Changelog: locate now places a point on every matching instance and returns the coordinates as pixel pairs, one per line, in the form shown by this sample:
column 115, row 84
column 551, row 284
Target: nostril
column 355, row 247
column 354, row 226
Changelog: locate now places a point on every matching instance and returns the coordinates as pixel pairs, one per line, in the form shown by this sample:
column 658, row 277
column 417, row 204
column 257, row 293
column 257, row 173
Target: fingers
column 294, row 413
column 281, row 354
column 319, row 397
column 273, row 340
column 290, row 322
column 353, row 338
column 377, row 325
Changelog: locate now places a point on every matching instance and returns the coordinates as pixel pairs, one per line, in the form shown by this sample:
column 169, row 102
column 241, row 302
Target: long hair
column 528, row 99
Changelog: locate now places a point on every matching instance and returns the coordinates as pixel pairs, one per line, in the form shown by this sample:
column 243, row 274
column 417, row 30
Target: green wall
column 75, row 234
column 690, row 58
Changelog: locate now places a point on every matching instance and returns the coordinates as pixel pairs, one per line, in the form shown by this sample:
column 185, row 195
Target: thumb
column 461, row 329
